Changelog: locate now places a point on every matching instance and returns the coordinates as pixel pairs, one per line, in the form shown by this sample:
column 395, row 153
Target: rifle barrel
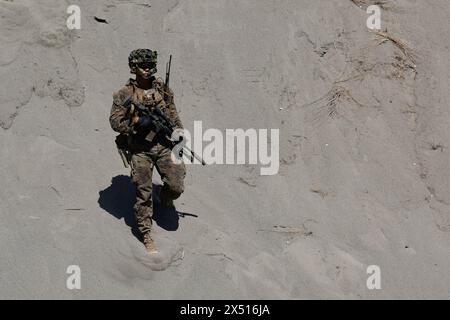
column 193, row 154
column 168, row 70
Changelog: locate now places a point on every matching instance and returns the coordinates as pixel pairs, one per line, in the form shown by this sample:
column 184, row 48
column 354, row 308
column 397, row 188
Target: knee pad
column 173, row 192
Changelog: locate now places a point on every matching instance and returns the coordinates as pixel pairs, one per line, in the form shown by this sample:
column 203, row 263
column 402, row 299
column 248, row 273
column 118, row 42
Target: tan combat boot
column 149, row 243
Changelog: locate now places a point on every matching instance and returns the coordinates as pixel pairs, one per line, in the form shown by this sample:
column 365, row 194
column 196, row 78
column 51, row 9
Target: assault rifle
column 161, row 124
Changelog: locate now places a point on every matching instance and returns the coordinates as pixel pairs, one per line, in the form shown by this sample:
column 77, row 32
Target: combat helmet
column 142, row 56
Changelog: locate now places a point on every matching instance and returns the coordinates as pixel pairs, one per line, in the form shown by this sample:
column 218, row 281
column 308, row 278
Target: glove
column 144, row 122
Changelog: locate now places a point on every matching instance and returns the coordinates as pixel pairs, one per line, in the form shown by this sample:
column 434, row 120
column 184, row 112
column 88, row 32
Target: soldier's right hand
column 135, row 119
column 143, row 122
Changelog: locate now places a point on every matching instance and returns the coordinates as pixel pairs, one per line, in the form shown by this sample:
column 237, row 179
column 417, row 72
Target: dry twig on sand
column 303, row 230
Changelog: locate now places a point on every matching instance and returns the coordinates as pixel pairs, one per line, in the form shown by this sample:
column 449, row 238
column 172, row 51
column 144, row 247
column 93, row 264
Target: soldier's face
column 146, row 70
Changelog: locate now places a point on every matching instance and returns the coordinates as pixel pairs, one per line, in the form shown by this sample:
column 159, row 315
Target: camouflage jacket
column 158, row 95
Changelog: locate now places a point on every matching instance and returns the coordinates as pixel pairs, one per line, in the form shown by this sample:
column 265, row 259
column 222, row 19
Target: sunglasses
column 146, row 65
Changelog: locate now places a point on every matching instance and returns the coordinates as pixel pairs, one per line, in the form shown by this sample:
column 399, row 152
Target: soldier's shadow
column 119, row 198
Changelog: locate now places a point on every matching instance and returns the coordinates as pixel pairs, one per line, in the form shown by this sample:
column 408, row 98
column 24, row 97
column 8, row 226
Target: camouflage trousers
column 172, row 175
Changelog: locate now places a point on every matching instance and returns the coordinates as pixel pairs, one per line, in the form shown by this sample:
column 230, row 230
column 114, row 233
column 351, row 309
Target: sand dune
column 364, row 162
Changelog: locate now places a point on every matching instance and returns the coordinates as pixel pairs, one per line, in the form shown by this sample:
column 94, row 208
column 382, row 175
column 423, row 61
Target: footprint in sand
column 169, row 253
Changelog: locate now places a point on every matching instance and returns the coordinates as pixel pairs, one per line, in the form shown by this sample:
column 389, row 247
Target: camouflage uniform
column 148, row 148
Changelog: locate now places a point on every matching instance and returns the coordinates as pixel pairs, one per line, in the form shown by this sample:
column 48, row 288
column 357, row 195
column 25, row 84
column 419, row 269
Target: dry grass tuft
column 383, row 4
column 400, row 44
column 331, row 100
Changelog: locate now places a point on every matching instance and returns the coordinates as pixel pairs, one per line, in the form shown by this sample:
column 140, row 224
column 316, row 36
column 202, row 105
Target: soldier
column 147, row 147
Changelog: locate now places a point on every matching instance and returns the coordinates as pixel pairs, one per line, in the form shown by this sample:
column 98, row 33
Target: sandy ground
column 364, row 158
